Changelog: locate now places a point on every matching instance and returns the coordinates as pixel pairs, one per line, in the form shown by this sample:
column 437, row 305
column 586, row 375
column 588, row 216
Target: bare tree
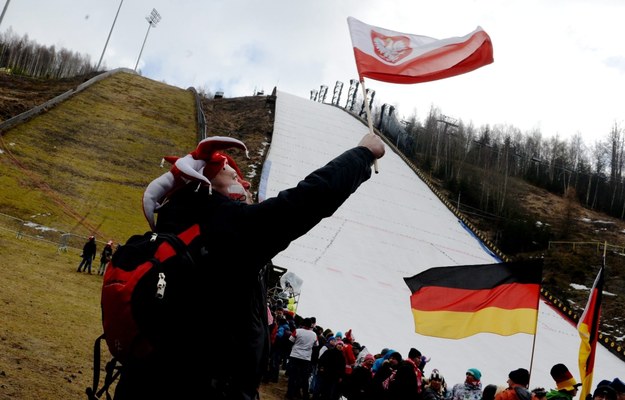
column 616, row 161
column 25, row 57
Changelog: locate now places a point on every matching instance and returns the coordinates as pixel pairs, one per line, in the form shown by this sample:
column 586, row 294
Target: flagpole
column 364, row 95
column 534, row 341
column 535, row 334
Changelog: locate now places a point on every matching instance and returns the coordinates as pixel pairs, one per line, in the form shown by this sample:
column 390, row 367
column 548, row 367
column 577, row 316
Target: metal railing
column 599, row 246
column 63, row 240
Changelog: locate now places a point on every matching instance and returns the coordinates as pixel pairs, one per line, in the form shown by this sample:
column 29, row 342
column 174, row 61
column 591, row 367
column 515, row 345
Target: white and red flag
column 396, row 57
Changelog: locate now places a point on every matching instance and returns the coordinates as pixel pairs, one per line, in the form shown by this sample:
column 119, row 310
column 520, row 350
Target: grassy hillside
column 85, row 163
column 82, row 168
column 50, row 318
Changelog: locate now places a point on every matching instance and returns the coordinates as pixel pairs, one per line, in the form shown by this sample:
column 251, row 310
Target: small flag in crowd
column 396, row 57
column 588, row 328
column 460, row 301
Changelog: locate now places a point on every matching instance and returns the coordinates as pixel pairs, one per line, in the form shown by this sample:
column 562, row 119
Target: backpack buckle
column 160, row 285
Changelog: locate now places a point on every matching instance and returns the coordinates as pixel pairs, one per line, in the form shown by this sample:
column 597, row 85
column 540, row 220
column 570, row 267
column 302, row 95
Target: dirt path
column 20, row 93
column 274, row 391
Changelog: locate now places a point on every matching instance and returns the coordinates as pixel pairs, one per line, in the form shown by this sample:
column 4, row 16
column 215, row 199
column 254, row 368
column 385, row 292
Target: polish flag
column 397, row 57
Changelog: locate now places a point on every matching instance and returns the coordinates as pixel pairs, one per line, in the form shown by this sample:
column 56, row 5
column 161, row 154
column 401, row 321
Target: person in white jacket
column 299, row 366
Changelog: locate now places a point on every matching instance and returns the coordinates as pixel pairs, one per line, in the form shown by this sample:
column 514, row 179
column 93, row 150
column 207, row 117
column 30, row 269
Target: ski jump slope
column 353, row 263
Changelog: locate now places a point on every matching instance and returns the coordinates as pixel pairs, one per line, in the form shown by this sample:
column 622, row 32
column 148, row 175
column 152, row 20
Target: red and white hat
column 199, row 166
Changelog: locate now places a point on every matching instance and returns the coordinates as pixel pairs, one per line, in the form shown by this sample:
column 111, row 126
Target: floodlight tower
column 4, row 10
column 109, row 36
column 152, row 19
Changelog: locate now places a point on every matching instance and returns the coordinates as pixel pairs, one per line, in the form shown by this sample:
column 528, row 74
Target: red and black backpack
column 145, row 286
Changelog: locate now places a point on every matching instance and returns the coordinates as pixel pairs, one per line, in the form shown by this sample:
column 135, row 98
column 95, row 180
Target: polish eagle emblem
column 391, row 49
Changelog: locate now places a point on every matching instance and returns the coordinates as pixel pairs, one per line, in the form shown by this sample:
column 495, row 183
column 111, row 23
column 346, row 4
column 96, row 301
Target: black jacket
column 404, row 385
column 107, row 253
column 89, row 250
column 223, row 346
column 331, row 365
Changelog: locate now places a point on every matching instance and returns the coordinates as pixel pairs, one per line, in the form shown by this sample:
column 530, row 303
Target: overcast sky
column 559, row 64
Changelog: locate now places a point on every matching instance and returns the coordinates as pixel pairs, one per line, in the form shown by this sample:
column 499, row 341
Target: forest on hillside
column 477, row 165
column 21, row 56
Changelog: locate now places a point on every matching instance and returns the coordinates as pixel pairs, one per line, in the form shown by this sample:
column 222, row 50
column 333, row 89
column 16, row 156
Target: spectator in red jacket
column 348, row 352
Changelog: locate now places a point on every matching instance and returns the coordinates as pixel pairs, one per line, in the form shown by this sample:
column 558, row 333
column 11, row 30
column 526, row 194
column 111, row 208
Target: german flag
column 588, row 328
column 460, row 301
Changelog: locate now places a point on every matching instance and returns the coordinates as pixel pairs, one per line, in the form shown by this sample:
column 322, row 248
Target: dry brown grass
column 87, row 161
column 83, row 164
column 50, row 318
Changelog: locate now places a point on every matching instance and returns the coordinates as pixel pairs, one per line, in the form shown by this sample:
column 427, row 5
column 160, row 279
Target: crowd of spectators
column 323, row 364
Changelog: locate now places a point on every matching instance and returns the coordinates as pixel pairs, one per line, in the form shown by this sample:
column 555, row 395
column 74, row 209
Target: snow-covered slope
column 353, row 263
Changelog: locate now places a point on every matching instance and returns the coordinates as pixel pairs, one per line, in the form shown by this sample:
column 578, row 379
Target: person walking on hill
column 105, row 257
column 205, row 188
column 88, row 255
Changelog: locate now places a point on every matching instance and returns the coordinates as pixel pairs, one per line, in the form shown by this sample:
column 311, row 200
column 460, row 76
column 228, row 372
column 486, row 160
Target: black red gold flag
column 588, row 328
column 461, row 301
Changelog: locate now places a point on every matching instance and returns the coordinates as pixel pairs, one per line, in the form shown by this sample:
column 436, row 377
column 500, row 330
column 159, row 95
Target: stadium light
column 109, row 36
column 4, row 10
column 152, row 19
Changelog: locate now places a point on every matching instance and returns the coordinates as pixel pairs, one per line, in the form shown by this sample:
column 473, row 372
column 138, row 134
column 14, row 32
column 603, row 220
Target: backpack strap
column 96, row 368
column 113, row 370
column 176, row 244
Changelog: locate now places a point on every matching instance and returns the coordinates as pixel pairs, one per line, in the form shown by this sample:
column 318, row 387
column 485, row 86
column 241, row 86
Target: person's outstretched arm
column 374, row 143
column 295, row 211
